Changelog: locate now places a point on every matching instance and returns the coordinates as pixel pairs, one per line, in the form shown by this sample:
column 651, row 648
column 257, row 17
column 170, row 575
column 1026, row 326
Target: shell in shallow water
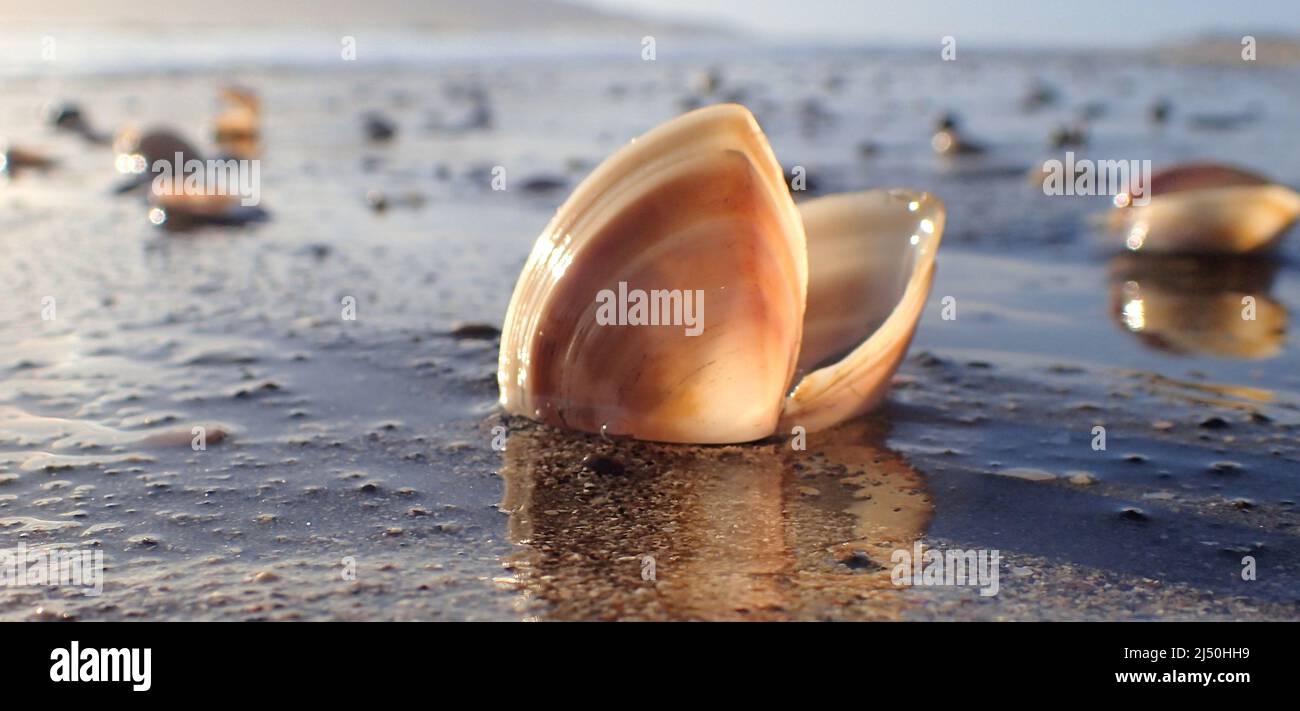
column 1207, row 208
column 695, row 207
column 693, row 219
column 136, row 152
column 871, row 264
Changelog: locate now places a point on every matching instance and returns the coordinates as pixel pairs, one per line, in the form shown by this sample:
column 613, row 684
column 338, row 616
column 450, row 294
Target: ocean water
column 355, row 478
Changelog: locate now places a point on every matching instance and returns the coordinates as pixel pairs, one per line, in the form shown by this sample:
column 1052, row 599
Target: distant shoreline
column 438, row 16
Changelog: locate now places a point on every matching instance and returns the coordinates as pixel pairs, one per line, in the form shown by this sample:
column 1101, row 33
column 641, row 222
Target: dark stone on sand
column 1133, row 513
column 926, row 359
column 69, row 117
column 1214, row 423
column 475, row 331
column 604, row 466
column 1039, row 95
column 319, row 251
column 1160, row 111
column 540, row 184
column 480, row 117
column 855, row 559
column 948, row 139
column 378, row 127
column 144, row 541
column 248, row 392
column 66, row 117
column 1069, row 137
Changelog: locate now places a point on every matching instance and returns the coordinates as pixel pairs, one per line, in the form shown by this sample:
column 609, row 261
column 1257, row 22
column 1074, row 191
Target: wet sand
column 370, row 440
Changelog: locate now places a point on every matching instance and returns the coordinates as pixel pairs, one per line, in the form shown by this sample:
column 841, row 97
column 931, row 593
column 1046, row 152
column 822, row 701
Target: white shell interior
column 871, row 263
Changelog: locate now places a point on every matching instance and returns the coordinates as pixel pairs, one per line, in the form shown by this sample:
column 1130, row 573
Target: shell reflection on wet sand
column 1199, row 305
column 754, row 532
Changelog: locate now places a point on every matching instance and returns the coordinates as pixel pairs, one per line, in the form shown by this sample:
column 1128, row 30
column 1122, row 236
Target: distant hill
column 1226, row 50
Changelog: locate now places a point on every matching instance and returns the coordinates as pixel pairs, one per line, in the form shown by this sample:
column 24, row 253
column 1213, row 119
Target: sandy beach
column 350, row 472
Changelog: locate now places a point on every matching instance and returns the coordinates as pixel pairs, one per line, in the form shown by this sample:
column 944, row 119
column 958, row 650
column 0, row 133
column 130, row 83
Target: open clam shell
column 1206, row 208
column 137, row 151
column 694, row 219
column 871, row 264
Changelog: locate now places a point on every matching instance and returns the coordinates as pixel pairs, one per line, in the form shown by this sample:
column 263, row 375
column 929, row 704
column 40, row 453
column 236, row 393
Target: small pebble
column 1132, row 513
column 1214, row 423
column 541, row 184
column 603, row 466
column 379, row 128
column 475, row 331
column 854, row 559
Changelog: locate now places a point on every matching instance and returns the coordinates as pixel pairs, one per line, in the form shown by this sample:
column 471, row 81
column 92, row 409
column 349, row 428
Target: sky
column 1044, row 23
